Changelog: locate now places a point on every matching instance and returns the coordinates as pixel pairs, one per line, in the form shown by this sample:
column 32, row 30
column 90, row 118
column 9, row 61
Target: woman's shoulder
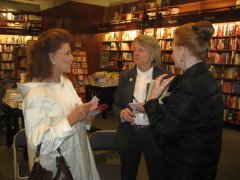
column 33, row 88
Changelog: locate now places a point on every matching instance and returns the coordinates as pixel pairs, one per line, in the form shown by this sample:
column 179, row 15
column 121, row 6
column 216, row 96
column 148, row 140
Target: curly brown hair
column 48, row 42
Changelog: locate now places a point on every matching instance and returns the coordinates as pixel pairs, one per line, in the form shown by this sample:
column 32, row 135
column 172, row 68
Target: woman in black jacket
column 188, row 125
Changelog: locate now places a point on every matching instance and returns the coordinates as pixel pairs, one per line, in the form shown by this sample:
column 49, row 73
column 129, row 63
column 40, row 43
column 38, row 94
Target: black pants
column 138, row 143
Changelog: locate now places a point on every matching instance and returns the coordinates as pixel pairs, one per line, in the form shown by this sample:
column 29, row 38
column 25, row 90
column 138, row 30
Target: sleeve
column 44, row 124
column 118, row 100
column 169, row 121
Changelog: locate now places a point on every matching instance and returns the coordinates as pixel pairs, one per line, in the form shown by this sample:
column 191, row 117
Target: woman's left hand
column 140, row 108
column 88, row 120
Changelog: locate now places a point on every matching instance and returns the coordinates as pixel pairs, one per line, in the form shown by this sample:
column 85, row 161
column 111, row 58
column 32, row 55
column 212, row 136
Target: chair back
column 20, row 140
column 21, row 167
column 110, row 168
column 103, row 140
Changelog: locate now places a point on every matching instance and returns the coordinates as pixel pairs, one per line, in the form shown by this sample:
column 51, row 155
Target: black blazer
column 188, row 126
column 123, row 96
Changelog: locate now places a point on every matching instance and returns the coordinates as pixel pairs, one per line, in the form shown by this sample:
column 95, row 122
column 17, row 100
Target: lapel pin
column 131, row 79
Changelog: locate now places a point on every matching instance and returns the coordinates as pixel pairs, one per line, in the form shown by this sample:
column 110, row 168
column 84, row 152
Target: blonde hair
column 152, row 45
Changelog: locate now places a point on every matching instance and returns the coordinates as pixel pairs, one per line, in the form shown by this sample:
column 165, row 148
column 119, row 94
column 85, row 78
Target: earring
column 52, row 61
column 152, row 59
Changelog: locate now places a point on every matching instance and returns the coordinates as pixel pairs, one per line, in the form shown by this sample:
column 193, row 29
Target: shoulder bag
column 40, row 173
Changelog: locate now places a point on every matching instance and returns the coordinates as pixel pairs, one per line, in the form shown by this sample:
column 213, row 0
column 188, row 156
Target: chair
column 20, row 162
column 103, row 140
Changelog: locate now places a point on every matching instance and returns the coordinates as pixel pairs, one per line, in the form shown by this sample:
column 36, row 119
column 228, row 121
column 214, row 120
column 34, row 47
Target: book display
column 79, row 73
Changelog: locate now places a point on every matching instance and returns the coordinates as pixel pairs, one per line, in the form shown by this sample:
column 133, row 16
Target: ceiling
column 45, row 4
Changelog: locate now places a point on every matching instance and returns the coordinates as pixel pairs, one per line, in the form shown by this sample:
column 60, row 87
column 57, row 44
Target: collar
column 146, row 73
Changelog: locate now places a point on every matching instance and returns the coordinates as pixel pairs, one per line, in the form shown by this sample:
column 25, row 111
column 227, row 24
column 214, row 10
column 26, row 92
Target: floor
column 228, row 169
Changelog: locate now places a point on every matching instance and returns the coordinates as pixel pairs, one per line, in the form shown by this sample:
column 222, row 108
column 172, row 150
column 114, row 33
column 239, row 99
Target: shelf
column 7, row 61
column 232, row 125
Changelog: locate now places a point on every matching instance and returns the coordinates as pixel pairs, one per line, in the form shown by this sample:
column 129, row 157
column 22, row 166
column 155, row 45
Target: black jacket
column 123, row 96
column 188, row 125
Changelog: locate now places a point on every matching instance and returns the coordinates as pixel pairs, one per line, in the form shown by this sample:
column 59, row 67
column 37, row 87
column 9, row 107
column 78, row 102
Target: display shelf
column 79, row 72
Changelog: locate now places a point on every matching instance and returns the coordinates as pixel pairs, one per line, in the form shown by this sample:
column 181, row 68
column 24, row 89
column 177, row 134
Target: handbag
column 63, row 172
column 40, row 173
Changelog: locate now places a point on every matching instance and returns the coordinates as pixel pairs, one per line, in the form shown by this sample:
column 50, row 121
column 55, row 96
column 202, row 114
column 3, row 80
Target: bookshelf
column 79, row 72
column 13, row 19
column 13, row 55
column 117, row 50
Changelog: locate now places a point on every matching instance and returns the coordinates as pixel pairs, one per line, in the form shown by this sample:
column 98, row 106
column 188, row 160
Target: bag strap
column 36, row 159
column 38, row 151
column 59, row 151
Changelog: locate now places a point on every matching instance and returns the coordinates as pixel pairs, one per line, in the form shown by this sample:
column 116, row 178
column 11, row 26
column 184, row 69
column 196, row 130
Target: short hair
column 152, row 45
column 48, row 42
column 196, row 37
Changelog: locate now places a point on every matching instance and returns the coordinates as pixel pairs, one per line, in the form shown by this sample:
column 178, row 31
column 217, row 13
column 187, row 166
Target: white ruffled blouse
column 45, row 108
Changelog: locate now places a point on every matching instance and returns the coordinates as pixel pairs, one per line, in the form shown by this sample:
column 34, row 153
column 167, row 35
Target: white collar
column 146, row 73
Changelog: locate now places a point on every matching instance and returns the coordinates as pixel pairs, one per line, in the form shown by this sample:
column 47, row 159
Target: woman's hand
column 79, row 113
column 140, row 108
column 127, row 115
column 160, row 84
column 88, row 120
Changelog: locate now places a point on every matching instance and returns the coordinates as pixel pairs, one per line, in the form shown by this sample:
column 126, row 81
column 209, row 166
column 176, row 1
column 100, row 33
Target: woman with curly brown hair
column 54, row 115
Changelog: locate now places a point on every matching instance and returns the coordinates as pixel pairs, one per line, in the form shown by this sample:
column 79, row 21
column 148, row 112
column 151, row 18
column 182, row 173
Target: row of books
column 225, row 44
column 231, row 57
column 165, row 33
column 117, row 46
column 230, row 87
column 231, row 101
column 7, row 66
column 7, row 57
column 165, row 44
column 223, row 58
column 79, row 65
column 121, row 36
column 224, row 72
column 15, row 39
column 227, row 29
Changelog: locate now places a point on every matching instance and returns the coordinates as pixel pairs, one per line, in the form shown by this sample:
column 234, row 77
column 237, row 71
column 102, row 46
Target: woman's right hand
column 160, row 84
column 127, row 115
column 79, row 113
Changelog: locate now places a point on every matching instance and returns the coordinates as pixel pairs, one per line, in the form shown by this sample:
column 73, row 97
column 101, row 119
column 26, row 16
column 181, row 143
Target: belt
column 142, row 128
